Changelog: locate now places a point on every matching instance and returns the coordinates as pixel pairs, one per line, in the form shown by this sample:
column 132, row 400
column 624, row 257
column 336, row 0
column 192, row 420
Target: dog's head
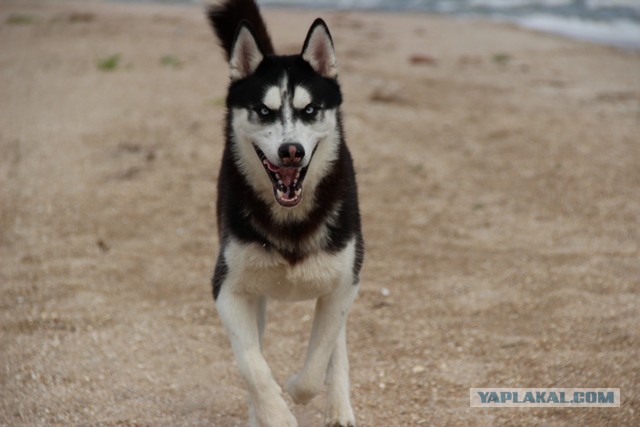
column 284, row 114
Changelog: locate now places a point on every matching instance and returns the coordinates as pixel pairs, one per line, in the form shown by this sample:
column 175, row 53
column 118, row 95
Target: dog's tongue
column 287, row 175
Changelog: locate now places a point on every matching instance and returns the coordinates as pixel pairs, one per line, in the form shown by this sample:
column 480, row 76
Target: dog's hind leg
column 330, row 316
column 241, row 316
column 338, row 410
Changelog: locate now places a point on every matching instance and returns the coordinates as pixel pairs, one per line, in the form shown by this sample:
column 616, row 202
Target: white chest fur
column 256, row 270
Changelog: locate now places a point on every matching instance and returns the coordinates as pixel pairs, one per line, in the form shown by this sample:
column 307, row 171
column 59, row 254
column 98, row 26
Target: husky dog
column 288, row 218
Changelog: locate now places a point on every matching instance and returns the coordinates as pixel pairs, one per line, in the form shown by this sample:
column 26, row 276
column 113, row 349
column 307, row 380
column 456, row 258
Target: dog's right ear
column 318, row 50
column 246, row 54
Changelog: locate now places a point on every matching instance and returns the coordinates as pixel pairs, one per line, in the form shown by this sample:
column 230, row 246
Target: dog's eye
column 263, row 111
column 310, row 110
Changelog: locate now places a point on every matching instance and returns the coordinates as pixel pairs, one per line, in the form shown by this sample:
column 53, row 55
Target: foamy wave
column 617, row 32
column 599, row 4
column 512, row 4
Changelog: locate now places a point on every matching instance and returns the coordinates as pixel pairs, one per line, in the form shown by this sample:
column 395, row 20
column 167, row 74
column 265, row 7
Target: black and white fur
column 288, row 218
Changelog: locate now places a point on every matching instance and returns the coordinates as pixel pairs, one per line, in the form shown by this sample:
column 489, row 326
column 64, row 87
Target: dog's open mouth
column 286, row 180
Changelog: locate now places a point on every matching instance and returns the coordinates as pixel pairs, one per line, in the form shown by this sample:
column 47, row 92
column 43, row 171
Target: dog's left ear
column 318, row 50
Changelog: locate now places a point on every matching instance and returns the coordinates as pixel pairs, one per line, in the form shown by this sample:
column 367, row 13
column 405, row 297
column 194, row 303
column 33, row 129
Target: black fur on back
column 225, row 18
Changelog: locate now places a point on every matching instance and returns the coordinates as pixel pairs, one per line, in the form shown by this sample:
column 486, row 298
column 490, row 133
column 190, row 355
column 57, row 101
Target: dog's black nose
column 291, row 153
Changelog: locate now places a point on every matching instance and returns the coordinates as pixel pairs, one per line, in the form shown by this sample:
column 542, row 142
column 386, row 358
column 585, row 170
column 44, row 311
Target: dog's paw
column 271, row 418
column 287, row 421
column 301, row 391
column 340, row 417
column 341, row 424
column 271, row 413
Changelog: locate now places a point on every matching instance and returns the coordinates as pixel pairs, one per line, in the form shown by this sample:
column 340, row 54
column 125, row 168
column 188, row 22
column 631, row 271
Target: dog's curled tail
column 226, row 15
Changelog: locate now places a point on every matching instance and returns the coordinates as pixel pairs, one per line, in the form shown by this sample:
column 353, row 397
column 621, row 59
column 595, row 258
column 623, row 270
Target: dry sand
column 499, row 175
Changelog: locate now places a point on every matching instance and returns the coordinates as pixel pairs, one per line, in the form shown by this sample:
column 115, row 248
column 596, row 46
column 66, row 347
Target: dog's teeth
column 298, row 191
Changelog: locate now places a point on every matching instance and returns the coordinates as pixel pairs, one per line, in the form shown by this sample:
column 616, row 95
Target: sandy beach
column 499, row 177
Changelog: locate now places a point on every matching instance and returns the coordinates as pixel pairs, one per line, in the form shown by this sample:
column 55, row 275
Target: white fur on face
column 301, row 98
column 273, row 98
column 321, row 135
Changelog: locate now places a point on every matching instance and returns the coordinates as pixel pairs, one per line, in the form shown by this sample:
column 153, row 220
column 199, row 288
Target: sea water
column 614, row 22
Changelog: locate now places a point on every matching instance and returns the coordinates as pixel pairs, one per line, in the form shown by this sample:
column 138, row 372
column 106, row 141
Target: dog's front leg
column 338, row 411
column 330, row 317
column 241, row 316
